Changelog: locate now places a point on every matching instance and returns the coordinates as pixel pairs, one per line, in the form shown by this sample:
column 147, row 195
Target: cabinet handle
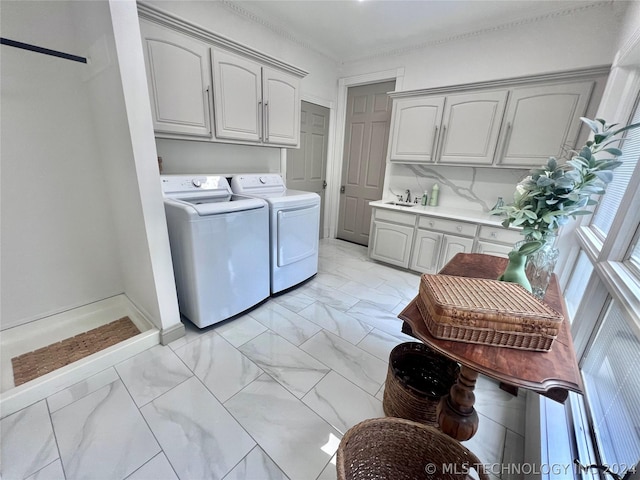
column 459, row 228
column 260, row 115
column 208, row 109
column 493, row 235
column 433, row 147
column 266, row 121
column 507, row 137
column 431, row 224
column 443, row 135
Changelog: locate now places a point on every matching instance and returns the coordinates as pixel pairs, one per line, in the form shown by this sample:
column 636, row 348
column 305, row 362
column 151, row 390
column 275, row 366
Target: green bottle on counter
column 434, row 195
column 424, row 199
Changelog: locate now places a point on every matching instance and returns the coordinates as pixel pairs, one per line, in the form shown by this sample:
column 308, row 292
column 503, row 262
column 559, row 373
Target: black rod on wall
column 46, row 51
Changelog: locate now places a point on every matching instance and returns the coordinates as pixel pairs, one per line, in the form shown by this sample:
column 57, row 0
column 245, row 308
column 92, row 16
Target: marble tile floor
column 267, row 395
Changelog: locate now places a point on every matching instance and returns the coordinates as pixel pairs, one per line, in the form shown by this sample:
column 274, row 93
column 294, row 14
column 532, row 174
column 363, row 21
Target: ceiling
column 350, row 30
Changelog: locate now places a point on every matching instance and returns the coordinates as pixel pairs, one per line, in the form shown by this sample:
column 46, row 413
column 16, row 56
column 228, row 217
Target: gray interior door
column 307, row 165
column 365, row 153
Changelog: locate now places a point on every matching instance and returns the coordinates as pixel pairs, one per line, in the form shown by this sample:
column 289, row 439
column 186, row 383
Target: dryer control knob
column 196, row 182
column 263, row 180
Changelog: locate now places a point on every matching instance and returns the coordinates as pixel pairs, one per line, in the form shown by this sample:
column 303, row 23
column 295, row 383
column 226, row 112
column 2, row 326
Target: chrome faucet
column 408, row 192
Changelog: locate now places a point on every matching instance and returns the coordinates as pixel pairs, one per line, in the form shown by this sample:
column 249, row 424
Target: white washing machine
column 294, row 226
column 219, row 245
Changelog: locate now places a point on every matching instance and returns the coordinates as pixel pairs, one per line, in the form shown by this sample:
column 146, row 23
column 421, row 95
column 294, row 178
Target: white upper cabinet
column 470, row 127
column 178, row 75
column 210, row 88
column 281, row 97
column 415, row 127
column 254, row 103
column 515, row 123
column 237, row 97
column 542, row 122
column 457, row 129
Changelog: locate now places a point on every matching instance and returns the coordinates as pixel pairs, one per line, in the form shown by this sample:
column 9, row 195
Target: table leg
column 456, row 415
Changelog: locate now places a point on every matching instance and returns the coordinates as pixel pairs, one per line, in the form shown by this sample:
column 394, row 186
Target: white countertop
column 443, row 212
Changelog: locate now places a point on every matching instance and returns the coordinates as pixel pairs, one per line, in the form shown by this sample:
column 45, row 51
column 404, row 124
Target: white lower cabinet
column 426, row 244
column 497, row 241
column 391, row 243
column 493, row 249
column 426, row 250
column 452, row 245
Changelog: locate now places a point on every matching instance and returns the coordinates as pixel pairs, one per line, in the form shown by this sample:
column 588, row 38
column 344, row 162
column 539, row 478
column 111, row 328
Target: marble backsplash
column 474, row 188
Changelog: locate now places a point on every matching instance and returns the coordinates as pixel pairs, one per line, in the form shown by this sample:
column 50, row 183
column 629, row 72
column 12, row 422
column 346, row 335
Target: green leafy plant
column 555, row 192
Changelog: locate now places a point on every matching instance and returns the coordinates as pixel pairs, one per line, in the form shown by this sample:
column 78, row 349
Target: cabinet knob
column 459, row 228
column 431, row 224
column 493, row 235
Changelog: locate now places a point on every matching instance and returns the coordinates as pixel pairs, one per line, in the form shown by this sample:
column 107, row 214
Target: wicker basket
column 398, row 449
column 417, row 378
column 486, row 311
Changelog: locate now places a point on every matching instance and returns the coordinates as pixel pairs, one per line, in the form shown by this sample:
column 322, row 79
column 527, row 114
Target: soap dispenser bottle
column 434, row 195
column 424, row 199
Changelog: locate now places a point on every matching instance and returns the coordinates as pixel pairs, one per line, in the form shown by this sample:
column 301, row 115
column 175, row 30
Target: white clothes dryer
column 219, row 246
column 294, row 227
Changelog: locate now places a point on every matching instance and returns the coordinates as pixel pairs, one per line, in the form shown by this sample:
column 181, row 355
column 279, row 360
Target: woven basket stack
column 489, row 312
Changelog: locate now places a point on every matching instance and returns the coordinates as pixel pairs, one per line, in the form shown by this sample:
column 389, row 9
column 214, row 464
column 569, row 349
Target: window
column 578, row 283
column 604, row 291
column 612, row 384
column 606, row 210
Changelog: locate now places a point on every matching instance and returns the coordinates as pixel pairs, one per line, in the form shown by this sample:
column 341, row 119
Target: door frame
column 328, row 203
column 334, row 168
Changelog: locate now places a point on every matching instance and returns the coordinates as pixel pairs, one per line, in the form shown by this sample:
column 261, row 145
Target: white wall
column 145, row 251
column 82, row 209
column 58, row 236
column 184, row 156
column 585, row 38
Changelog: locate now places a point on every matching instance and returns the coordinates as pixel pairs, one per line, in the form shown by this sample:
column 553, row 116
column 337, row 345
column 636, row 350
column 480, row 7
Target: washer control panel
column 257, row 183
column 172, row 184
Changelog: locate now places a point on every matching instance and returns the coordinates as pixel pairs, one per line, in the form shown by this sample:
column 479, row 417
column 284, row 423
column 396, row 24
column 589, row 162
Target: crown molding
column 166, row 19
column 476, row 33
column 235, row 8
column 566, row 75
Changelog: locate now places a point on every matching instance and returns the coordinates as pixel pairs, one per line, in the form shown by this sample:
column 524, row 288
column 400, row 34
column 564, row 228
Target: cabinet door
column 281, row 97
column 470, row 127
column 451, row 245
column 426, row 249
column 542, row 122
column 415, row 127
column 178, row 74
column 391, row 243
column 494, row 249
column 237, row 97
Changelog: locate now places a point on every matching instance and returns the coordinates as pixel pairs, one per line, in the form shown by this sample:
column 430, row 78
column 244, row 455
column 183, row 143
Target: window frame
column 614, row 277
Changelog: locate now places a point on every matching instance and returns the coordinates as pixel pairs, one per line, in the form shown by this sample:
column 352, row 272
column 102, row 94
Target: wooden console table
column 551, row 373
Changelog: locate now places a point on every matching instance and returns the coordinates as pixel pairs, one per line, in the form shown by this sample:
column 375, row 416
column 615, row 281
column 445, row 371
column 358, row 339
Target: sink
column 402, row 204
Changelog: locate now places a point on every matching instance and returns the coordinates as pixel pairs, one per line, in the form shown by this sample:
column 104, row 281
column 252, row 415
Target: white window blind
column 610, row 372
column 578, row 283
column 606, row 210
